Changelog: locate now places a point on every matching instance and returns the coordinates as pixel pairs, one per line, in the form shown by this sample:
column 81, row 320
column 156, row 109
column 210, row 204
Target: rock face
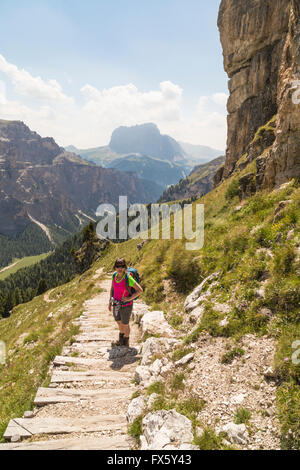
column 261, row 49
column 40, row 180
column 199, row 182
column 166, row 429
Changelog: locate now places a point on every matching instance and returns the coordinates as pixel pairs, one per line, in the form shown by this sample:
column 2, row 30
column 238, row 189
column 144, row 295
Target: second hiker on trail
column 124, row 288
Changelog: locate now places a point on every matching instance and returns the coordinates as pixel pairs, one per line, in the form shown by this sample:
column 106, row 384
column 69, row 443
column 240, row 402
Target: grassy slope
column 32, row 342
column 231, row 248
column 22, row 263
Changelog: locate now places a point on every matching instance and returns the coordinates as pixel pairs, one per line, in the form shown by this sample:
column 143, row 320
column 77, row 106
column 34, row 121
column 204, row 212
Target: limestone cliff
column 261, row 49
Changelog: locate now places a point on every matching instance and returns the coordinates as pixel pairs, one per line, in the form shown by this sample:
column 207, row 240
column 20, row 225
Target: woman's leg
column 126, row 330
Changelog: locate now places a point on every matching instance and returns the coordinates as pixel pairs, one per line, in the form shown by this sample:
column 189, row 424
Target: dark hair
column 120, row 261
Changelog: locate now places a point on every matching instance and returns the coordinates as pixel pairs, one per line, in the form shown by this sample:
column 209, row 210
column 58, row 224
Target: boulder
column 196, row 314
column 153, row 346
column 184, row 360
column 136, row 407
column 166, row 428
column 150, row 347
column 237, row 433
column 155, row 323
column 142, row 374
column 193, row 300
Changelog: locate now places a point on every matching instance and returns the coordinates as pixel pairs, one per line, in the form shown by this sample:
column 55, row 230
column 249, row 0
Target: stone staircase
column 85, row 404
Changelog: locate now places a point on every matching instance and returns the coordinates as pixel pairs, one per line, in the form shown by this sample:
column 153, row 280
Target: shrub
column 231, row 355
column 183, row 270
column 135, row 429
column 283, row 260
column 209, row 440
column 156, row 387
column 176, row 321
column 232, row 190
column 242, row 416
column 178, row 382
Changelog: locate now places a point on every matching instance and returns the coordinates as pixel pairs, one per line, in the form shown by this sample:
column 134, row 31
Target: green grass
column 242, row 416
column 32, row 343
column 156, row 387
column 178, row 382
column 209, row 440
column 227, row 358
column 232, row 243
column 179, row 353
column 21, row 263
column 136, row 428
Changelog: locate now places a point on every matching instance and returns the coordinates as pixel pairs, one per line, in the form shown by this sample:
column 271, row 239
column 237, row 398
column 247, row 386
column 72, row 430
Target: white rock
column 136, row 408
column 142, row 374
column 15, row 438
column 185, row 359
column 181, row 447
column 155, row 323
column 28, row 414
column 151, row 347
column 155, row 368
column 166, row 428
column 224, row 322
column 237, row 433
column 192, row 300
column 166, row 369
column 222, row 308
column 196, row 314
column 238, row 399
column 290, row 234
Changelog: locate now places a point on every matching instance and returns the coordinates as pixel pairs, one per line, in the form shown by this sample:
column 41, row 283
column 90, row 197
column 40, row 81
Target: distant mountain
column 153, row 156
column 146, row 139
column 163, row 172
column 57, row 191
column 199, row 182
column 200, row 153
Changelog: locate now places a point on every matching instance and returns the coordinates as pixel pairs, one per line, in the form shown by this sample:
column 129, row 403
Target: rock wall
column 261, row 49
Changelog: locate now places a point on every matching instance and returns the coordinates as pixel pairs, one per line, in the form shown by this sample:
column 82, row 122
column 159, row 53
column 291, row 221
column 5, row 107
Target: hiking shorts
column 122, row 314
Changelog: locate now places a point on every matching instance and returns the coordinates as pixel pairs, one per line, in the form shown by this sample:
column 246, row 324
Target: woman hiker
column 122, row 312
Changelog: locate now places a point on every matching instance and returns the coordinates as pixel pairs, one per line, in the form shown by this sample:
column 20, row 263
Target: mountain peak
column 145, row 139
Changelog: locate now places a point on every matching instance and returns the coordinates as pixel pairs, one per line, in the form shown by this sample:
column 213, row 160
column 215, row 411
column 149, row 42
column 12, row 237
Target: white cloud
column 34, row 87
column 91, row 123
column 220, row 98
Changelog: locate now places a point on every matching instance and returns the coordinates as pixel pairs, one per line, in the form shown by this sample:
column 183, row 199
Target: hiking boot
column 120, row 342
column 126, row 342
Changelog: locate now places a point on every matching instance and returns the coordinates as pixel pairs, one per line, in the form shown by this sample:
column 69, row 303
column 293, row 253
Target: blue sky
column 113, row 55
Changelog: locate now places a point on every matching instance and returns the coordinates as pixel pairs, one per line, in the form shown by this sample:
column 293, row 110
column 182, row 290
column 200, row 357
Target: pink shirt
column 120, row 288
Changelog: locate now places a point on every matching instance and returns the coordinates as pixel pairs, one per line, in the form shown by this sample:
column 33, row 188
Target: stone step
column 63, row 360
column 86, row 338
column 47, row 396
column 70, row 376
column 25, row 427
column 117, row 442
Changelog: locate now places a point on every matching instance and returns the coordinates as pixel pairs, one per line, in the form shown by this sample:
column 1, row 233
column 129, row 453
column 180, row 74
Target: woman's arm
column 138, row 290
column 110, row 296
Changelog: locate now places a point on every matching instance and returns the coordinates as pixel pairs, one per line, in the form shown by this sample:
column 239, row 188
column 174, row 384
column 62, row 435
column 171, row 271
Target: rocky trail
column 89, row 402
column 85, row 404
